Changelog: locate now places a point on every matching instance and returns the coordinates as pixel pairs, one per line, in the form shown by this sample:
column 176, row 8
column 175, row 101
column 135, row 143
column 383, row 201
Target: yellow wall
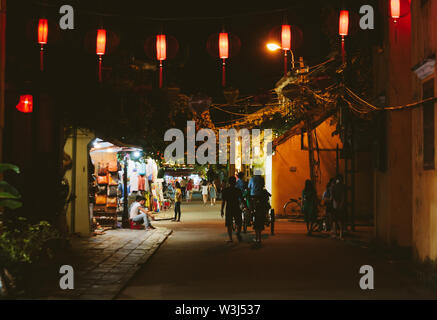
column 82, row 216
column 424, row 42
column 287, row 184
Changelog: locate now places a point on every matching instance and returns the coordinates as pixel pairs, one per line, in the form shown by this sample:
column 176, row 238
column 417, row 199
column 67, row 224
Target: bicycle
column 293, row 208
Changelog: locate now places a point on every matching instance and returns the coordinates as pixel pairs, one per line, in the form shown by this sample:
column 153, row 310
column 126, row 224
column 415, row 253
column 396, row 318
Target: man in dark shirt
column 231, row 198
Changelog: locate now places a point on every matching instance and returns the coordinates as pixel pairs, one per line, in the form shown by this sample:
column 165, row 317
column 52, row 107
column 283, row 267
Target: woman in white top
column 205, row 192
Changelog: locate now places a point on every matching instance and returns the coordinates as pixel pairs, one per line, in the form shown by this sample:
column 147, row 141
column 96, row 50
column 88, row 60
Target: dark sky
column 252, row 70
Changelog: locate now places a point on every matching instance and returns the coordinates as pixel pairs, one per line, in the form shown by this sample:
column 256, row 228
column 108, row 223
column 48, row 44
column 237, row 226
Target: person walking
column 205, row 192
column 212, row 193
column 327, row 201
column 231, row 200
column 189, row 189
column 177, row 202
column 309, row 205
column 183, row 185
column 257, row 204
column 339, row 206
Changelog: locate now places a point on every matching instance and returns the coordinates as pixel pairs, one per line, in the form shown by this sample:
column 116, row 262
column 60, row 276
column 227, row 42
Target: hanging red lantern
column 223, row 45
column 286, row 37
column 395, row 9
column 43, row 30
column 100, row 48
column 343, row 28
column 161, row 53
column 286, row 44
column 343, row 23
column 25, row 104
column 223, row 53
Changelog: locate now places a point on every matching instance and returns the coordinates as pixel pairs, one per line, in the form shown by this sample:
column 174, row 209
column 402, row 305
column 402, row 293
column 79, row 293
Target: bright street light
column 273, row 46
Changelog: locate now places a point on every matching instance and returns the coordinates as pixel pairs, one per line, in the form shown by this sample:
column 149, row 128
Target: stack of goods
column 112, row 185
column 106, row 195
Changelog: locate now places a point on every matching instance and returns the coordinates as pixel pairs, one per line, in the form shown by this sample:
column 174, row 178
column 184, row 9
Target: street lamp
column 274, row 46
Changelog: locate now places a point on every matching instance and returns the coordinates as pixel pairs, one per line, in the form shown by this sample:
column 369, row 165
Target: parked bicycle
column 293, row 208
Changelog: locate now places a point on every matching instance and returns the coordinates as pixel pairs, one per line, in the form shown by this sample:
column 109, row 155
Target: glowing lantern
column 223, row 53
column 223, row 45
column 161, row 53
column 286, row 37
column 343, row 27
column 286, row 44
column 161, row 47
column 100, row 48
column 395, row 9
column 343, row 23
column 101, row 42
column 43, row 31
column 25, row 104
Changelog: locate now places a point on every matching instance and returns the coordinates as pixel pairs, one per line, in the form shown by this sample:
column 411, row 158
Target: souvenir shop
column 120, row 174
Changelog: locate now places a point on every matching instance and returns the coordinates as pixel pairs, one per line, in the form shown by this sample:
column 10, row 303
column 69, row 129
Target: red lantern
column 25, row 104
column 343, row 23
column 223, row 53
column 286, row 44
column 161, row 53
column 43, row 31
column 343, row 27
column 223, row 45
column 100, row 48
column 101, row 42
column 286, row 37
column 395, row 9
column 161, row 47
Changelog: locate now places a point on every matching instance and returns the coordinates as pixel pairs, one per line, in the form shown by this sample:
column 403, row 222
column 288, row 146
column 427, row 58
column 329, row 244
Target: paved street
column 196, row 263
column 104, row 263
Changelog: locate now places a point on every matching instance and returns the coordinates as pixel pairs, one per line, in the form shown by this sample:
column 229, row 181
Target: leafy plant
column 8, row 194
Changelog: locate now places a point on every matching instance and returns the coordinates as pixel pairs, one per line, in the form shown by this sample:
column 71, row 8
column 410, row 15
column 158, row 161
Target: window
column 428, row 126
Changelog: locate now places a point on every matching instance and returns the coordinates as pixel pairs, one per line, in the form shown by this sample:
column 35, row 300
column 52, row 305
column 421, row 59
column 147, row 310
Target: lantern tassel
column 41, row 58
column 160, row 74
column 100, row 68
column 343, row 53
column 224, row 73
column 285, row 63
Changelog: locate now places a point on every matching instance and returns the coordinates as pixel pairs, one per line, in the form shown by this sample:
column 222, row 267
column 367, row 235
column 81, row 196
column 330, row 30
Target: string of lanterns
column 26, row 101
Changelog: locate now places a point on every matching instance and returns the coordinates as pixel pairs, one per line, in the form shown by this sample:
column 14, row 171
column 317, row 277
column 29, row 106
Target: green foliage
column 22, row 243
column 8, row 194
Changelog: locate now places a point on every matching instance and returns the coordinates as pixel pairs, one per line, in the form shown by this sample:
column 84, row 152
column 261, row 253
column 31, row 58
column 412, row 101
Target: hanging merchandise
column 142, row 169
column 343, row 28
column 134, row 181
column 111, row 202
column 102, row 179
column 25, row 104
column 102, row 169
column 112, row 179
column 43, row 30
column 100, row 48
column 101, row 189
column 113, row 166
column 141, row 183
column 101, row 199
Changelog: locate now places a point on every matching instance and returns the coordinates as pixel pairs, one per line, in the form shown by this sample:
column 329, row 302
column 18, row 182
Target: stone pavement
column 103, row 264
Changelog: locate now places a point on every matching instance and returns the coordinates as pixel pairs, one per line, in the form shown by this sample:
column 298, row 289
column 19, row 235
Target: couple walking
column 209, row 189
